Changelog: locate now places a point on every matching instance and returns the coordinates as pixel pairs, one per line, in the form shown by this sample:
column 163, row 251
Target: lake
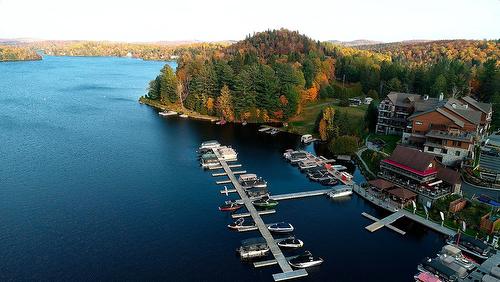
column 95, row 186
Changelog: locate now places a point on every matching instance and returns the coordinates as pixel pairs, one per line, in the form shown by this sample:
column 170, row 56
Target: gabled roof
column 463, row 111
column 402, row 99
column 402, row 193
column 453, row 118
column 412, row 158
column 448, row 175
column 381, row 184
column 429, row 104
column 483, row 107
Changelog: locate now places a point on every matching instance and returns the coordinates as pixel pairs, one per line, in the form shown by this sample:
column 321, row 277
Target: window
column 457, row 153
column 430, row 149
column 444, row 151
column 418, row 122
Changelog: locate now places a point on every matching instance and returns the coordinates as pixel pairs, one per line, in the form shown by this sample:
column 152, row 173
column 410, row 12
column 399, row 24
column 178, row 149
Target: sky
column 205, row 20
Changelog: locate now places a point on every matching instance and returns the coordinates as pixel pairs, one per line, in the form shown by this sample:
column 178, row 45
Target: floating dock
column 386, row 221
column 379, row 224
column 292, row 195
column 288, row 272
column 247, row 214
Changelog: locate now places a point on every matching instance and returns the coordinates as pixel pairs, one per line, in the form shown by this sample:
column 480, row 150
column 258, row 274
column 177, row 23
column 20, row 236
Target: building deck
column 288, row 272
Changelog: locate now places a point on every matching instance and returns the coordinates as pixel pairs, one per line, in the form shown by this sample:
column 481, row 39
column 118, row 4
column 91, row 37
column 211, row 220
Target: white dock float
column 226, row 191
column 288, row 272
column 270, row 262
column 300, row 194
column 223, row 182
column 248, row 229
column 215, row 167
column 234, row 165
column 247, row 214
column 224, row 174
column 290, row 275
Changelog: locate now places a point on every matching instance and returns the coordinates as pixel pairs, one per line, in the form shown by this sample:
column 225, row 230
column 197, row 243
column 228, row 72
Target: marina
column 287, row 271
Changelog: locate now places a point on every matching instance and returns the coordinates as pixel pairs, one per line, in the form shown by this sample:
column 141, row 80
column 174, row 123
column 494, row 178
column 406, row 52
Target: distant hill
column 353, row 43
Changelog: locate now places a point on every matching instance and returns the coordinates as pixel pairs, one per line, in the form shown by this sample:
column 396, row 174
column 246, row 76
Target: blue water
column 95, row 186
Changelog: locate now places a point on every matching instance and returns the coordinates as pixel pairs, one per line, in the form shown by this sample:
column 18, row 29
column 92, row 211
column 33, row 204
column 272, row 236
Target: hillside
column 17, row 53
column 267, row 76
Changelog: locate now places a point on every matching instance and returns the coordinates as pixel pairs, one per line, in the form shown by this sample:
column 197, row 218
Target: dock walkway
column 288, row 272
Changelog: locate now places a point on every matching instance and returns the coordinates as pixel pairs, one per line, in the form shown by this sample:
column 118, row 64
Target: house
column 490, row 223
column 394, row 111
column 489, row 159
column 447, row 128
column 421, row 173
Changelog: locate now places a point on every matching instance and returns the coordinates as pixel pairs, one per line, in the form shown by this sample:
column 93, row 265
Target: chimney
column 441, row 96
column 426, row 97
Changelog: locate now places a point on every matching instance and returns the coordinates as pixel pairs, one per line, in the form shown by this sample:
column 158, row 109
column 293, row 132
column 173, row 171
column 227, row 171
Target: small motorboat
column 221, row 122
column 230, row 206
column 342, row 192
column 339, row 167
column 240, row 225
column 305, row 260
column 244, row 123
column 273, row 131
column 281, row 227
column 253, row 248
column 264, row 129
column 291, row 243
column 167, row 113
column 265, row 202
column 183, row 115
column 329, row 181
column 307, row 138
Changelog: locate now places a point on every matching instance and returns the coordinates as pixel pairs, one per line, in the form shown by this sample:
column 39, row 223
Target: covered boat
column 280, row 227
column 330, row 181
column 265, row 202
column 426, row 277
column 471, row 246
column 240, row 225
column 210, row 144
column 342, row 192
column 305, row 260
column 291, row 242
column 250, row 180
column 253, row 248
column 437, row 268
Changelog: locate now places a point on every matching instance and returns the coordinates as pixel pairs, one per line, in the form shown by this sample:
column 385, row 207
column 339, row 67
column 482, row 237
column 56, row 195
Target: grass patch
column 372, row 160
column 304, row 122
column 391, row 141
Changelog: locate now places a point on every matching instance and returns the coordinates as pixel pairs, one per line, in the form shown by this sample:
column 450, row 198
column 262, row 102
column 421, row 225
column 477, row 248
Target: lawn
column 305, row 121
column 391, row 141
column 372, row 160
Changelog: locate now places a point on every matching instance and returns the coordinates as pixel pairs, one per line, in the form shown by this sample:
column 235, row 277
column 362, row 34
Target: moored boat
column 307, row 138
column 471, row 246
column 167, row 113
column 305, row 260
column 240, row 225
column 250, row 180
column 210, row 144
column 426, row 277
column 291, row 243
column 183, row 116
column 280, row 227
column 253, row 248
column 339, row 167
column 264, row 129
column 230, row 206
column 265, row 202
column 342, row 192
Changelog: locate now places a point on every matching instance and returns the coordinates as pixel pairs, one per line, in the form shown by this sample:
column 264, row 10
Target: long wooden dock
column 288, row 272
column 247, row 214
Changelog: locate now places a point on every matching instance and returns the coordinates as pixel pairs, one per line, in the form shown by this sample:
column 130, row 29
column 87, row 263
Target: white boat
column 305, row 260
column 240, row 225
column 253, row 248
column 280, row 227
column 342, row 192
column 183, row 115
column 211, row 144
column 167, row 113
column 290, row 243
column 209, row 163
column 452, row 254
column 305, row 164
column 339, row 167
column 273, row 131
column 227, row 153
column 250, row 180
column 264, row 129
column 307, row 138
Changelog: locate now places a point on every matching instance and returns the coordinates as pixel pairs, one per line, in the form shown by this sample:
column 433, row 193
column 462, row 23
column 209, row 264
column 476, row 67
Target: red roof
column 421, row 173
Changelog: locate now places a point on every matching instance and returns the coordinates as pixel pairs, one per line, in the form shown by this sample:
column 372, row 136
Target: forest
column 17, row 53
column 145, row 51
column 271, row 75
